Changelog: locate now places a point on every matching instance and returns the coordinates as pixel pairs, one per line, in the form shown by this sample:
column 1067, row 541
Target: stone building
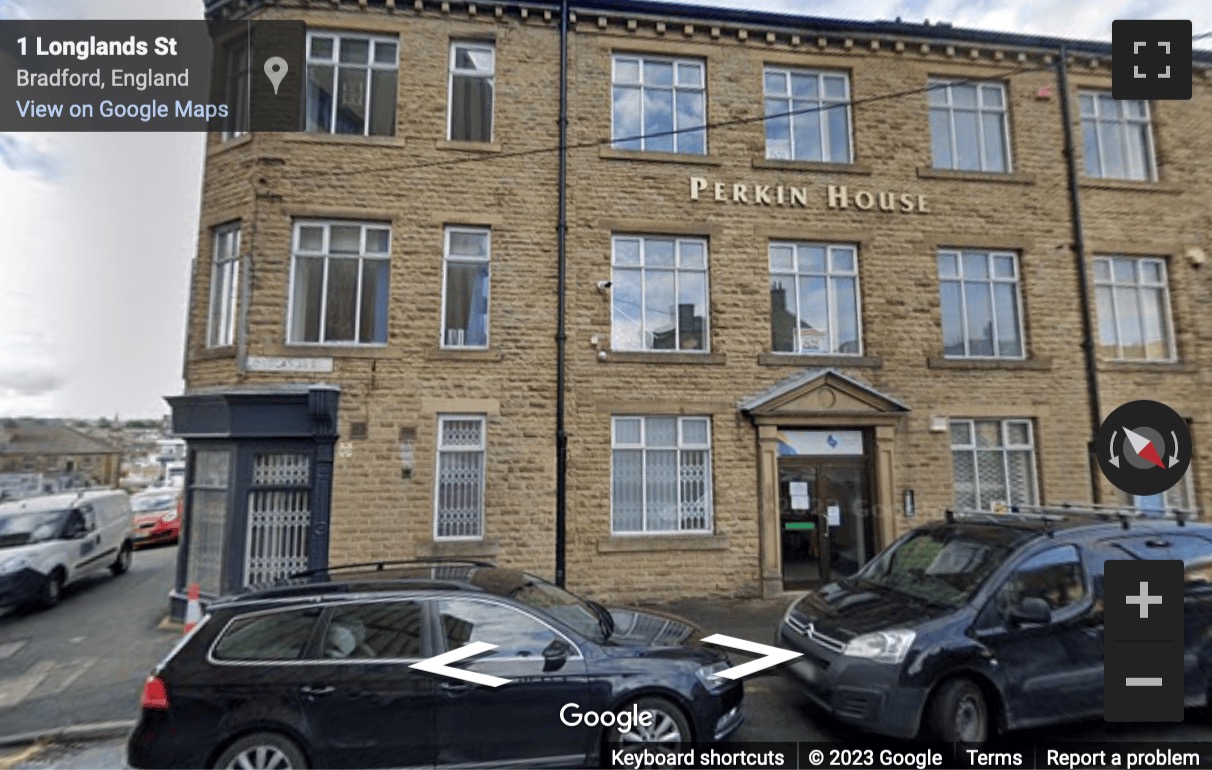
column 820, row 282
column 38, row 456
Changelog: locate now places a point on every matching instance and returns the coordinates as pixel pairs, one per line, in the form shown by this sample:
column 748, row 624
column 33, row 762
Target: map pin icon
column 275, row 70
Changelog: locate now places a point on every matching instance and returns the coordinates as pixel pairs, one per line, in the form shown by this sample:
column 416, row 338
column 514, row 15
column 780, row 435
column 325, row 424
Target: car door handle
column 309, row 690
column 455, row 688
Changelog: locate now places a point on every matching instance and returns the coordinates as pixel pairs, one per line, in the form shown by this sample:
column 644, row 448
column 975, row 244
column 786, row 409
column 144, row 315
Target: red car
column 157, row 516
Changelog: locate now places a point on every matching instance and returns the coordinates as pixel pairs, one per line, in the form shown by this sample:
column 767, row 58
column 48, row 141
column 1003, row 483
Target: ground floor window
column 1177, row 497
column 660, row 475
column 994, row 463
column 459, row 497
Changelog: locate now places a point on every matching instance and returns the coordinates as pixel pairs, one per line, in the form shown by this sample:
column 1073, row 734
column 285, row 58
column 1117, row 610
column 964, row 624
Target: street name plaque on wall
column 288, row 364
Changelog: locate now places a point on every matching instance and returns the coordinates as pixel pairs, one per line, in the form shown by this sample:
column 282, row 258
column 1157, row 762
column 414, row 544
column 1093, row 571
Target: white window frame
column 944, row 86
column 678, row 130
column 1005, row 447
column 1136, row 285
column 682, row 445
column 225, row 334
column 453, row 70
column 1121, row 121
column 1188, row 486
column 326, row 254
column 447, row 259
column 1017, row 281
column 481, row 449
column 338, row 37
column 824, row 104
column 642, row 268
column 830, row 275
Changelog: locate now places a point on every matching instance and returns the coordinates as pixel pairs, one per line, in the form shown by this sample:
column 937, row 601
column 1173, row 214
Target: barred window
column 994, row 463
column 459, row 498
column 661, row 475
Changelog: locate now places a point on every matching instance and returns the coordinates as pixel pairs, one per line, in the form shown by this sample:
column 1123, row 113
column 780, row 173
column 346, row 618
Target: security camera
column 604, row 285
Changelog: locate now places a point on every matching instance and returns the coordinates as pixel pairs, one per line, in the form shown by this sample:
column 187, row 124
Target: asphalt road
column 85, row 660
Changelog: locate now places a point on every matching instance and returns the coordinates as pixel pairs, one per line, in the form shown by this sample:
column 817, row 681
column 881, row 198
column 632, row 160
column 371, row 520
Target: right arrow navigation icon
column 771, row 656
column 1144, row 448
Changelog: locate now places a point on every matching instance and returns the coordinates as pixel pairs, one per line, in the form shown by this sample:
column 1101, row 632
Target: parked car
column 314, row 672
column 157, row 515
column 47, row 543
column 985, row 623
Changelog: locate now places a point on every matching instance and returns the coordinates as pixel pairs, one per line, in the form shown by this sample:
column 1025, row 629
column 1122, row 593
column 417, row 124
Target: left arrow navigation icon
column 439, row 665
column 772, row 656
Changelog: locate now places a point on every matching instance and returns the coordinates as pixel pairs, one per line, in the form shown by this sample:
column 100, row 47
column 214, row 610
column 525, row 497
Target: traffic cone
column 193, row 610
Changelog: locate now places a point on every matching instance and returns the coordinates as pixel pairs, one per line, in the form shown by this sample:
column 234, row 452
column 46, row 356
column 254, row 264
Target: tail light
column 155, row 695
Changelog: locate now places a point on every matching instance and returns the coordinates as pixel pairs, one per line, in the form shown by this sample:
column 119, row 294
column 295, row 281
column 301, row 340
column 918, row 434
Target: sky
column 97, row 231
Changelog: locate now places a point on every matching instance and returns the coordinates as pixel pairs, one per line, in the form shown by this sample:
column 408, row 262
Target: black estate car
column 315, row 672
column 986, row 622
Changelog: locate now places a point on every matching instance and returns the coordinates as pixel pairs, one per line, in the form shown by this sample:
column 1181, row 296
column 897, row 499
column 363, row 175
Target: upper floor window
column 238, row 75
column 1117, row 138
column 351, row 84
column 339, row 282
column 807, row 115
column 968, row 127
column 980, row 304
column 472, row 71
column 660, row 105
column 659, row 299
column 814, row 299
column 465, row 298
column 1133, row 308
column 994, row 463
column 224, row 286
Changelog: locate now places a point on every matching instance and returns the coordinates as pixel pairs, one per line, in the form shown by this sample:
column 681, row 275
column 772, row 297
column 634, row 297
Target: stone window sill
column 812, row 166
column 792, row 359
column 1130, row 185
column 330, row 351
column 459, row 549
column 646, row 357
column 345, row 139
column 1167, row 367
column 926, row 172
column 211, row 354
column 660, row 543
column 448, row 144
column 453, row 354
column 221, row 145
column 609, row 153
column 976, row 364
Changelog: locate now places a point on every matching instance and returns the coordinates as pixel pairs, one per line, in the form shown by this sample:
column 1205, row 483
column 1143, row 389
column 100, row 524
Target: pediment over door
column 821, row 392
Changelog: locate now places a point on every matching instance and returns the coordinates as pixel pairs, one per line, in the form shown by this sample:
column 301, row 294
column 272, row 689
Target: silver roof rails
column 1062, row 511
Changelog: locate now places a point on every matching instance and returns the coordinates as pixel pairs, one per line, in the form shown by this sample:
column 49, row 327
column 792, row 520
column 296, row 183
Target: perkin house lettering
column 836, row 196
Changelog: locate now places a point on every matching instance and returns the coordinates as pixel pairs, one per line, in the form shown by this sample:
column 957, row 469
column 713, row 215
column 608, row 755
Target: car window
column 1054, row 576
column 374, row 630
column 516, row 634
column 941, row 566
column 268, row 636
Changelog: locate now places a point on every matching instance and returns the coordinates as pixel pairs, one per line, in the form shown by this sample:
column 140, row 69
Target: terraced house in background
column 792, row 286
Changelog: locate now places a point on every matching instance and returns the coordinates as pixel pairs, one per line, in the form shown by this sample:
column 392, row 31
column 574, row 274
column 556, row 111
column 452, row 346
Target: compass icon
column 1144, row 447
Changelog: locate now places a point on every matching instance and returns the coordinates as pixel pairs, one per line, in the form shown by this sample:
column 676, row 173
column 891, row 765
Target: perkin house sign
column 837, row 196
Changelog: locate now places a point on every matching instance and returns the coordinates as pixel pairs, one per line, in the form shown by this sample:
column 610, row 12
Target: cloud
column 11, row 10
column 27, row 381
column 24, row 154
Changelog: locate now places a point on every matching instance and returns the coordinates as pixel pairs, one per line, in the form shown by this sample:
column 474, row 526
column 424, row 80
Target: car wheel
column 52, row 589
column 122, row 563
column 960, row 713
column 669, row 726
column 263, row 751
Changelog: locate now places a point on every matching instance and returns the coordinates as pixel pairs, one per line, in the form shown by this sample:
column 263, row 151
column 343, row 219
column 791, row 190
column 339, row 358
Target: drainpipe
column 1083, row 283
column 561, row 512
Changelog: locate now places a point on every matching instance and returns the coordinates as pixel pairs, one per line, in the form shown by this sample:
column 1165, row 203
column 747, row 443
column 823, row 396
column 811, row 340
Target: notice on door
column 834, row 515
column 799, row 496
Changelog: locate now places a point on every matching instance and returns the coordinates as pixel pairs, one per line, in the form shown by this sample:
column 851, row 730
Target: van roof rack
column 1125, row 514
column 379, row 566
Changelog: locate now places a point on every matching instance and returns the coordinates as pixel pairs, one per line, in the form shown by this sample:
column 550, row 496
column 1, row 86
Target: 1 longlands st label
column 835, row 196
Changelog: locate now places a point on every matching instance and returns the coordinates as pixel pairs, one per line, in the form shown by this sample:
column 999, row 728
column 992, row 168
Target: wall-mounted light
column 408, row 452
column 910, row 504
column 938, row 424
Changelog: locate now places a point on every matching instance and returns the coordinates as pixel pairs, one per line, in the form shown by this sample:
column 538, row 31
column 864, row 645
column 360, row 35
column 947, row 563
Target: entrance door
column 825, row 517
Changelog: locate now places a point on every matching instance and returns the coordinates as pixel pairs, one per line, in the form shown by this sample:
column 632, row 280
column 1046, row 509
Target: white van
column 48, row 542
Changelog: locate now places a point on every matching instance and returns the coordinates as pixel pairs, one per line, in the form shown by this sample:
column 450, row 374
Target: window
column 968, row 128
column 807, row 115
column 661, row 475
column 382, row 630
column 472, row 67
column 814, row 299
column 339, row 286
column 1117, row 138
column 459, row 500
column 465, row 296
column 994, row 463
column 351, row 84
column 1178, row 497
column 1054, row 576
column 237, row 91
column 516, row 634
column 267, row 636
column 660, row 105
column 224, row 286
column 1133, row 309
column 659, row 294
column 207, row 521
column 980, row 304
